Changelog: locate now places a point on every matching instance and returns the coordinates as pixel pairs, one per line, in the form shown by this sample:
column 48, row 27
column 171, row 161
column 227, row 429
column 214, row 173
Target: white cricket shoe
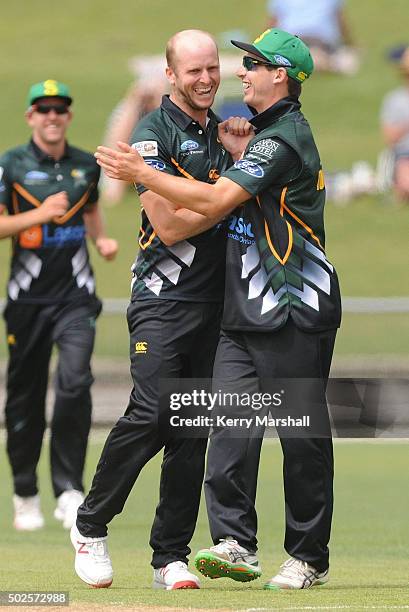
column 173, row 576
column 296, row 574
column 67, row 506
column 228, row 560
column 92, row 562
column 27, row 513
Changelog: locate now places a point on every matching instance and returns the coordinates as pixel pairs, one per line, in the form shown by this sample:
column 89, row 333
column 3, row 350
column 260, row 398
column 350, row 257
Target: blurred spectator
column 143, row 96
column 395, row 125
column 322, row 25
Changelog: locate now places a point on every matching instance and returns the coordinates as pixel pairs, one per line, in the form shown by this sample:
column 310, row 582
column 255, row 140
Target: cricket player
column 176, row 306
column 49, row 190
column 281, row 310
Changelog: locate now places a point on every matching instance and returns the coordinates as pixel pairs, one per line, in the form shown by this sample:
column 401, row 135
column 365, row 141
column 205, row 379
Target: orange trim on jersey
column 283, row 206
column 57, row 220
column 182, row 170
column 270, row 243
column 14, row 199
column 145, row 246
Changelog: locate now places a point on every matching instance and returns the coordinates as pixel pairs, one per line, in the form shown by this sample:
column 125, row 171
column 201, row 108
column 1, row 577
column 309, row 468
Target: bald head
column 187, row 42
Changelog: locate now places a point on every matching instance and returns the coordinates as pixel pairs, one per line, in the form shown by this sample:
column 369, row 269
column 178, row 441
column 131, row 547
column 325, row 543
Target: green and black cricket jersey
column 193, row 269
column 50, row 262
column 276, row 263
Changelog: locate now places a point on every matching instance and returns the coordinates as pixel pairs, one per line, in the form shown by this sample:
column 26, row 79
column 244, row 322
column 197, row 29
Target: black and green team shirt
column 193, row 269
column 50, row 262
column 276, row 262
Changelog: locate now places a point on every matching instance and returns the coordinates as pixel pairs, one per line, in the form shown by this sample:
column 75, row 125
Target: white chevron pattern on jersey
column 30, row 268
column 168, row 267
column 82, row 271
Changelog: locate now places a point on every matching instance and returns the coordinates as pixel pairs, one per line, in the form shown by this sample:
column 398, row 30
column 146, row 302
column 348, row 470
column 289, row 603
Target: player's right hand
column 55, row 205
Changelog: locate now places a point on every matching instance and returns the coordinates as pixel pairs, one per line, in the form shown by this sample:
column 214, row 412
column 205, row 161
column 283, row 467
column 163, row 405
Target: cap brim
column 66, row 99
column 249, row 48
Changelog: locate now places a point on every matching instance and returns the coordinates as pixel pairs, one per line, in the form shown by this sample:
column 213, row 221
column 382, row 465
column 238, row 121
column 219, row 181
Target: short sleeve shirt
column 276, row 263
column 50, row 262
column 192, row 269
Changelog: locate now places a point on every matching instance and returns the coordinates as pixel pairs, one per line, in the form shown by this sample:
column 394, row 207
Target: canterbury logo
column 141, row 348
column 82, row 548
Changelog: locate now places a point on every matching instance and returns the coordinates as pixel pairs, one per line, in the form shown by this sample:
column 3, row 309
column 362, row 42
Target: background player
column 49, row 190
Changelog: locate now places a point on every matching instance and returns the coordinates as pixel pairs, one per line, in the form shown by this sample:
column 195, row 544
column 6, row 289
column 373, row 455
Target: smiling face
column 194, row 73
column 48, row 128
column 263, row 86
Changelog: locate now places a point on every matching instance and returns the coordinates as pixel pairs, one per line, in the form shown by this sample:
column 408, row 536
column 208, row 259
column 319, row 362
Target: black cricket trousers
column 168, row 339
column 232, row 463
column 32, row 331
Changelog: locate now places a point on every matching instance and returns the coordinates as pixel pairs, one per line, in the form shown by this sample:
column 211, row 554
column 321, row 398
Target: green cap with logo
column 282, row 49
column 49, row 89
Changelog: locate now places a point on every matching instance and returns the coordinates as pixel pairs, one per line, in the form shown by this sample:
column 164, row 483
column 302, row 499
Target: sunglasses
column 43, row 109
column 250, row 63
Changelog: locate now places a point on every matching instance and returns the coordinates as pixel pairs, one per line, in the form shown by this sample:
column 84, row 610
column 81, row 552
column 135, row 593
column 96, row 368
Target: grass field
column 369, row 568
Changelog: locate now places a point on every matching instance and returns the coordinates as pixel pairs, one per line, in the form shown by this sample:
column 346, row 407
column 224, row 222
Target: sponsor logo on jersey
column 35, row 177
column 146, row 147
column 156, row 164
column 141, row 348
column 189, row 145
column 249, row 168
column 266, row 147
column 281, row 61
column 240, row 225
column 63, row 236
column 79, row 177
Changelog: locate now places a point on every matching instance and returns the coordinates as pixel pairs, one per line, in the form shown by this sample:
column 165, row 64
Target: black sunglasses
column 250, row 63
column 43, row 109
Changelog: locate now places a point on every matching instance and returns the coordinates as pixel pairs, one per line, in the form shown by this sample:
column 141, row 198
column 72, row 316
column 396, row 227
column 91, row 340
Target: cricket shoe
column 92, row 562
column 228, row 560
column 173, row 576
column 67, row 506
column 27, row 513
column 296, row 574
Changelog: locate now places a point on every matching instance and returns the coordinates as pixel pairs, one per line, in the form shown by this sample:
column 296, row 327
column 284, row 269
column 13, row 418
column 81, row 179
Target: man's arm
column 53, row 206
column 172, row 223
column 94, row 224
column 212, row 201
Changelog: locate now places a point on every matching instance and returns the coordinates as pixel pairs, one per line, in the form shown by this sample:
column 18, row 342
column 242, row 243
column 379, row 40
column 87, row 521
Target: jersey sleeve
column 266, row 161
column 5, row 183
column 150, row 146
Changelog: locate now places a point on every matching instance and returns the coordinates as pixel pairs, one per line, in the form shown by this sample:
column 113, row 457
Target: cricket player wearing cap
column 49, row 190
column 281, row 310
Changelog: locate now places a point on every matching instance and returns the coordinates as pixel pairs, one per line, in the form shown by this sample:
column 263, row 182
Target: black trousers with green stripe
column 233, row 460
column 167, row 340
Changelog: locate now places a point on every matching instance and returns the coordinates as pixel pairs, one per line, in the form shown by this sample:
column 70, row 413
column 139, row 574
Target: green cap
column 282, row 49
column 49, row 89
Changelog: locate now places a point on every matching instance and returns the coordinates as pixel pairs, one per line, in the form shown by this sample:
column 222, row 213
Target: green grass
column 369, row 562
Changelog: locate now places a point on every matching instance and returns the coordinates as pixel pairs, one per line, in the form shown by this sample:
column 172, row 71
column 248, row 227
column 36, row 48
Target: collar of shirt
column 275, row 112
column 183, row 120
column 43, row 156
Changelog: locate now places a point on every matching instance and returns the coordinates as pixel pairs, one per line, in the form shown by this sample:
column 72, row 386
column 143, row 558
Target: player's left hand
column 107, row 247
column 124, row 165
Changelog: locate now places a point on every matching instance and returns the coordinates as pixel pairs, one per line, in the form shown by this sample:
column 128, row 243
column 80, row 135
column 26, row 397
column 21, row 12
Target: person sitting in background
column 395, row 126
column 322, row 25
